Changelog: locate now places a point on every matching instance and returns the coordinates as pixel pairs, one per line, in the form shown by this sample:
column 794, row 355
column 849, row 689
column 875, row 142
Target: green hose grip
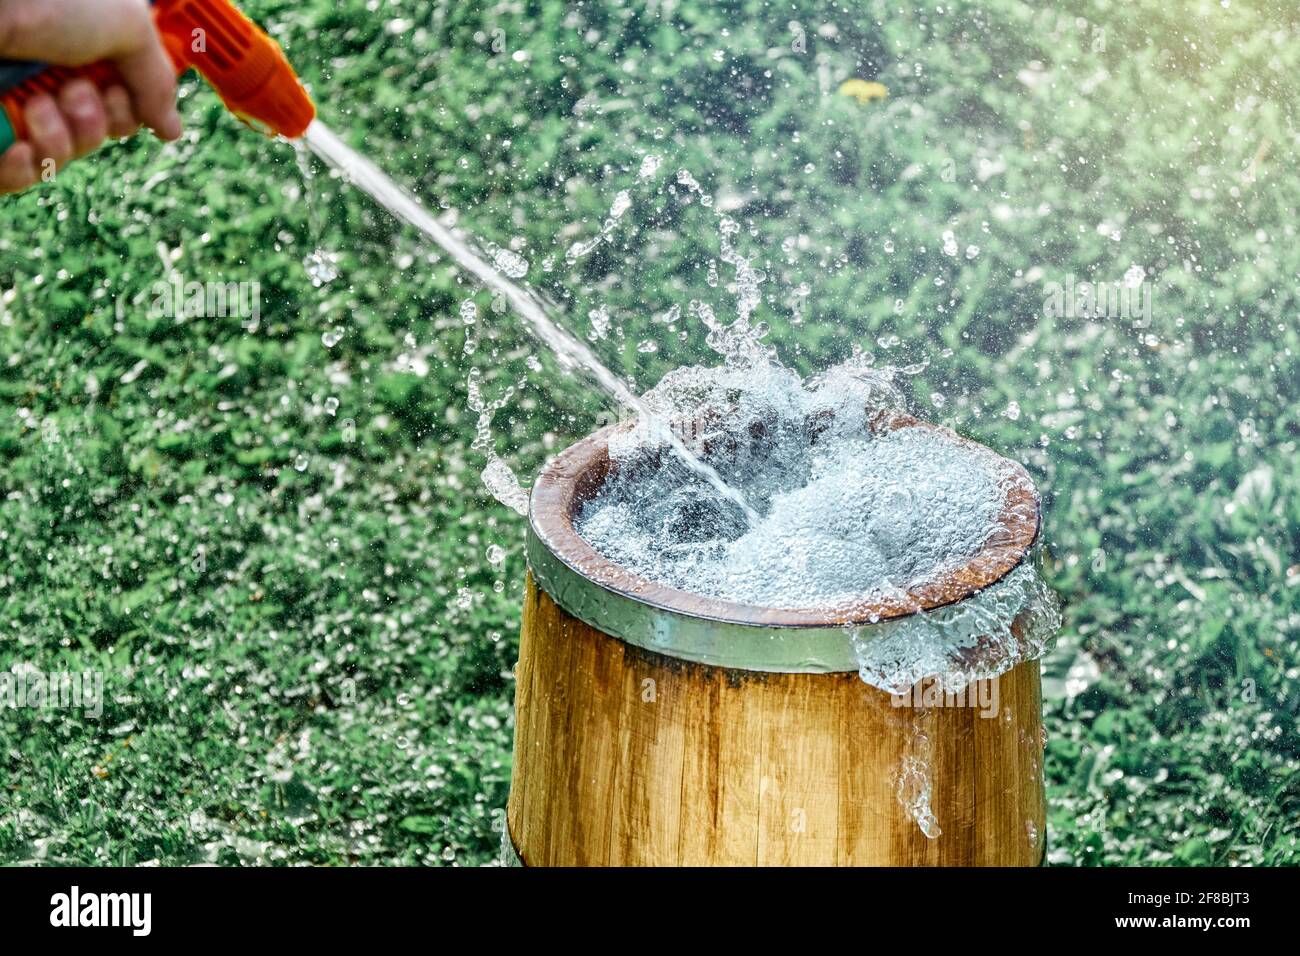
column 6, row 131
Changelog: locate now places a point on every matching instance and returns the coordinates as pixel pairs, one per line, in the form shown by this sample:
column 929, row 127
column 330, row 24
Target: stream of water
column 569, row 351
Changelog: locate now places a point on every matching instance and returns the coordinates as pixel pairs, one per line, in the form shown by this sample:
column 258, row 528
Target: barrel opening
column 577, row 474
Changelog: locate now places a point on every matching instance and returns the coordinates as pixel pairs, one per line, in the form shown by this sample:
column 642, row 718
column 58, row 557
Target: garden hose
column 244, row 65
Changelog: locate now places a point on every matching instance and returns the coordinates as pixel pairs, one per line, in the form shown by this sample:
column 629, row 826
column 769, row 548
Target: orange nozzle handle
column 246, row 67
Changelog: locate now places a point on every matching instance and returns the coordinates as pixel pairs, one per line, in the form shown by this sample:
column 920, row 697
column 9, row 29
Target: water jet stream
column 368, row 177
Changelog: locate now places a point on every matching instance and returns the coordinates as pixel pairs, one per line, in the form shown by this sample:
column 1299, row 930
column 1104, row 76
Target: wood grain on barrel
column 625, row 757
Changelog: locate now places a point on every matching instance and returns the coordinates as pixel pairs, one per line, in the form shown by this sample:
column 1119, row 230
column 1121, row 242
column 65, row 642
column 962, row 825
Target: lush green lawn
column 305, row 650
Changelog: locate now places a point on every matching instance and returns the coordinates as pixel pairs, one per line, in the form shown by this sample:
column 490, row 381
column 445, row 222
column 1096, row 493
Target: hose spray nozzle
column 246, row 67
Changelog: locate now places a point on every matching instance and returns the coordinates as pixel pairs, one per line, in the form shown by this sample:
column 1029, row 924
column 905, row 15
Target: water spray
column 570, row 352
column 250, row 73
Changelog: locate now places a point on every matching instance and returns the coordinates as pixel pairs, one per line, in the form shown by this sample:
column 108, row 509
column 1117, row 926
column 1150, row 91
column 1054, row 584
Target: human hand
column 73, row 123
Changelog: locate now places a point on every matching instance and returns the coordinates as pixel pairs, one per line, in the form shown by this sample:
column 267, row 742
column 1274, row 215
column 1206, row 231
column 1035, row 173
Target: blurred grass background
column 307, row 652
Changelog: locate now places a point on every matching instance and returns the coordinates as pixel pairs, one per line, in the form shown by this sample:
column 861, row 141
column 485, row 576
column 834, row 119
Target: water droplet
column 322, row 267
column 510, row 263
column 600, row 323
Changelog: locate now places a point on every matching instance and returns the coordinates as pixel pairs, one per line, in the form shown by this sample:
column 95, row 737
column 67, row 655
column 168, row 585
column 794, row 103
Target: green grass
column 314, row 665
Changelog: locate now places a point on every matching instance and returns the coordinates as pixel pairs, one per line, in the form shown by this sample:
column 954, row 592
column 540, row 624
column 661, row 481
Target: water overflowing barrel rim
column 609, row 597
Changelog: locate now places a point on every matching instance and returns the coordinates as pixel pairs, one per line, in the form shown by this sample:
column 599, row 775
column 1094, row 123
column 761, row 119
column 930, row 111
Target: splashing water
column 570, row 352
column 980, row 638
column 497, row 475
column 748, row 483
column 847, row 513
column 321, row 264
column 850, row 513
column 622, row 203
column 913, row 791
column 913, row 780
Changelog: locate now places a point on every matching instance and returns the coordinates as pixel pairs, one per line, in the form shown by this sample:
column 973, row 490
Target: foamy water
column 846, row 514
column 849, row 512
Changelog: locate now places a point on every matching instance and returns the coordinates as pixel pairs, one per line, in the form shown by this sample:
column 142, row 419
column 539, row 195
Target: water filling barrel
column 657, row 727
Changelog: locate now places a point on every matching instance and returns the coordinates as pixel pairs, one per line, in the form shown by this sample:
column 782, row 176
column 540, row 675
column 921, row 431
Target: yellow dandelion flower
column 864, row 91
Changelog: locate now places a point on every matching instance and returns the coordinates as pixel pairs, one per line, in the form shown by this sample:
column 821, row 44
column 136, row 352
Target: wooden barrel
column 657, row 727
